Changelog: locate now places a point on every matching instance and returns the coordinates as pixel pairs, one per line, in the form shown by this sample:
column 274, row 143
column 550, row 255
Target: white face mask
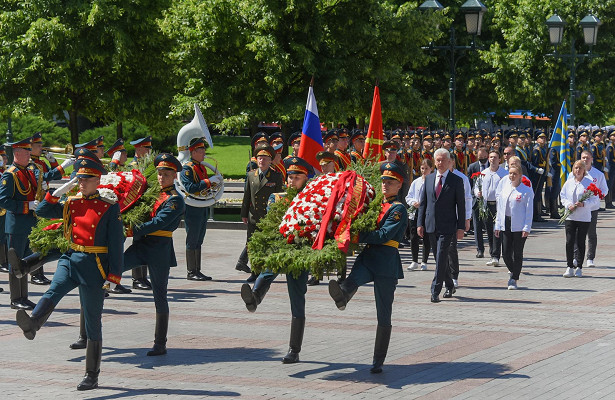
column 1, row 162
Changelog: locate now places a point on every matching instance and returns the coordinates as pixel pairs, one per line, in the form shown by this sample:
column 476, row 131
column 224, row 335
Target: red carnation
column 475, row 175
column 526, row 182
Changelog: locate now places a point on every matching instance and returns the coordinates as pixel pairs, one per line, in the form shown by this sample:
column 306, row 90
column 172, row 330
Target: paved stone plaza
column 553, row 338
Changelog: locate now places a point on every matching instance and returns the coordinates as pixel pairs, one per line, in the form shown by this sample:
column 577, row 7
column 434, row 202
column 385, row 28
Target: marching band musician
column 94, row 227
column 195, row 179
column 152, row 244
column 118, row 155
column 260, row 183
column 46, row 175
column 18, row 197
column 379, row 261
column 143, row 146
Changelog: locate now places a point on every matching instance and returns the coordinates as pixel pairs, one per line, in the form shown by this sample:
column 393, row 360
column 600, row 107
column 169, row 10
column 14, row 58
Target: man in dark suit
column 443, row 190
column 478, row 166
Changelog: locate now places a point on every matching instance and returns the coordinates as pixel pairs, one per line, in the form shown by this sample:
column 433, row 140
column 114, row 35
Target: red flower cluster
column 53, row 227
column 526, row 182
column 476, row 175
column 594, row 189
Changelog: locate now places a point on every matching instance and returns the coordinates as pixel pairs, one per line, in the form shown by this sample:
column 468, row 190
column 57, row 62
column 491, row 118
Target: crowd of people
column 438, row 187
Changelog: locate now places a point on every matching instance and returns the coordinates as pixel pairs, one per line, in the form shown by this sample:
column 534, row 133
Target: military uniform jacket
column 92, row 223
column 539, row 157
column 381, row 255
column 49, row 174
column 610, row 158
column 598, row 154
column 194, row 177
column 257, row 192
column 344, row 157
column 580, row 149
column 154, row 238
column 357, row 157
column 19, row 186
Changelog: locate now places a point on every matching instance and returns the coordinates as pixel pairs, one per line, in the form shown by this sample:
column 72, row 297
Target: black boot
column 342, row 293
column 160, row 335
column 198, row 266
column 297, row 326
column 18, row 295
column 191, row 265
column 93, row 354
column 4, row 263
column 383, row 337
column 31, row 324
column 83, row 336
column 242, row 263
column 139, row 278
column 22, row 267
column 253, row 297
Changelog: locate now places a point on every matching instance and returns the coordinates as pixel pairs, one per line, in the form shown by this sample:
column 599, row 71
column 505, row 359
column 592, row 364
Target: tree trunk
column 73, row 126
column 119, row 131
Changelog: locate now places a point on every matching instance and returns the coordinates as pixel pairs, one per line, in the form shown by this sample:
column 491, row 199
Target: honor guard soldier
column 277, row 142
column 609, row 170
column 195, row 179
column 91, row 146
column 427, row 152
column 415, row 154
column 437, row 140
column 118, row 155
column 294, row 141
column 583, row 145
column 358, row 144
column 152, row 244
column 471, row 149
column 598, row 150
column 260, row 183
column 143, row 146
column 4, row 265
column 539, row 160
column 572, row 145
column 258, row 138
column 330, row 140
column 379, row 262
column 18, row 197
column 555, row 167
column 298, row 172
column 94, row 228
column 329, row 162
column 520, row 150
column 342, row 148
column 461, row 162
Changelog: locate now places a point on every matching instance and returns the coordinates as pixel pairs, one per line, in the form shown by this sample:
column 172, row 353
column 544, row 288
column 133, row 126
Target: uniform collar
column 35, row 157
column 91, row 197
column 390, row 199
column 168, row 188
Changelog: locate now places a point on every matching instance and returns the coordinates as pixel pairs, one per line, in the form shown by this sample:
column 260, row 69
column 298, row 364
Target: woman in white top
column 513, row 220
column 577, row 223
column 413, row 199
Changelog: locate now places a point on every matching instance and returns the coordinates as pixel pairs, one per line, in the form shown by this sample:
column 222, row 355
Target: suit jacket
column 257, row 192
column 450, row 206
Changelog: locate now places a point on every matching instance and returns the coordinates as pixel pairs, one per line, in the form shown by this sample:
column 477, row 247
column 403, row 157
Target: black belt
column 491, row 202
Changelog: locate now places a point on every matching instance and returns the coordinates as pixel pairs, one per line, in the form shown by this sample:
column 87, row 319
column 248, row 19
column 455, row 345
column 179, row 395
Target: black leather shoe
column 203, row 276
column 291, row 357
column 242, row 267
column 539, row 219
column 19, row 304
column 29, row 303
column 480, row 254
column 141, row 284
column 252, row 278
column 609, row 206
column 119, row 289
column 313, row 281
column 248, row 297
column 81, row 343
column 435, row 298
column 4, row 268
column 39, row 279
column 157, row 350
column 449, row 293
column 88, row 383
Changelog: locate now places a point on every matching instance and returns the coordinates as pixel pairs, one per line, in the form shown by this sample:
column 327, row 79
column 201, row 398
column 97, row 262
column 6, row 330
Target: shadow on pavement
column 504, row 301
column 123, row 392
column 398, row 376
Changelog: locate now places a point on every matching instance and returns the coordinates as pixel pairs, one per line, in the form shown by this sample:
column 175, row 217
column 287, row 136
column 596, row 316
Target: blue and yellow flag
column 559, row 141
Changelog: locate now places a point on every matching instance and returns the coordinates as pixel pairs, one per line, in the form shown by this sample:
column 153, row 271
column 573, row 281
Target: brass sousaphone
column 195, row 129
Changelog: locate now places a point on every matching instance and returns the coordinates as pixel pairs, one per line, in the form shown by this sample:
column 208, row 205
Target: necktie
column 482, row 167
column 260, row 176
column 439, row 187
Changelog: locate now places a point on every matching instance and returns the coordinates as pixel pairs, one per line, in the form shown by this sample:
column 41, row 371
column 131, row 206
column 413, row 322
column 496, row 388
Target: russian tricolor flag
column 311, row 138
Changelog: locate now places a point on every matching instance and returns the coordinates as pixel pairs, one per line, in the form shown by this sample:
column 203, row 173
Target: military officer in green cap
column 379, row 262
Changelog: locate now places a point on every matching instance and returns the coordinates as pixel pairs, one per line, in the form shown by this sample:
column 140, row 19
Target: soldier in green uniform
column 94, row 228
column 260, row 184
column 379, row 262
column 195, row 179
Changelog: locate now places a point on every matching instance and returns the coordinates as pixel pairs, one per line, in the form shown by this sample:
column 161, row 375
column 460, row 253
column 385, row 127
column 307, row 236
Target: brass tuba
column 197, row 128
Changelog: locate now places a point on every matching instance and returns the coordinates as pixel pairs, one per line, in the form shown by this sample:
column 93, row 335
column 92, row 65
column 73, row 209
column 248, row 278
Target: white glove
column 65, row 188
column 541, row 171
column 550, row 174
column 32, row 205
column 606, row 169
column 68, row 162
column 50, row 157
column 116, row 156
column 216, row 179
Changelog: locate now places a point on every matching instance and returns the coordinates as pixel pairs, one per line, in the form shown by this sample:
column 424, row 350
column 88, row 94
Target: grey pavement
column 552, row 338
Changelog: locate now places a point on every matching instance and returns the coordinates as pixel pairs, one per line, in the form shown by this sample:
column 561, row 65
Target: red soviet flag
column 373, row 142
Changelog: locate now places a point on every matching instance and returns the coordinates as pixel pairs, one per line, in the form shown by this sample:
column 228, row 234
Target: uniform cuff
column 54, row 164
column 59, row 168
column 114, row 278
column 49, row 198
column 25, row 207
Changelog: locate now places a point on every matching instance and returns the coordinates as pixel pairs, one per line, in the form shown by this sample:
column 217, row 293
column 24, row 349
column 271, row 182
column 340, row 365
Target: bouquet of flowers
column 592, row 190
column 481, row 204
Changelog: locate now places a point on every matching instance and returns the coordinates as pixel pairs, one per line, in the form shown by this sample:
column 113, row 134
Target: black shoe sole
column 248, row 297
column 337, row 294
column 25, row 323
column 78, row 345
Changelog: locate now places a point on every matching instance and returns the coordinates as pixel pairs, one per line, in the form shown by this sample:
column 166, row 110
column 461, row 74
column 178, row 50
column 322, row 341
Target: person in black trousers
column 413, row 199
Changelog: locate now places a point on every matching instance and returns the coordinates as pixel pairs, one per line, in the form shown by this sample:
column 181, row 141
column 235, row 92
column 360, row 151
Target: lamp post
column 590, row 26
column 474, row 11
column 9, row 138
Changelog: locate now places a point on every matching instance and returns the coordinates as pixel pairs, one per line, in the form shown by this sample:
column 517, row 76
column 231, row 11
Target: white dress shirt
column 415, row 192
column 490, row 183
column 467, row 191
column 520, row 201
column 570, row 193
column 444, row 175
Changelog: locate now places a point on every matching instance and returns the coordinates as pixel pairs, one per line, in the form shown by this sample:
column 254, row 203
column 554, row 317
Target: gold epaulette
column 11, row 169
column 106, row 200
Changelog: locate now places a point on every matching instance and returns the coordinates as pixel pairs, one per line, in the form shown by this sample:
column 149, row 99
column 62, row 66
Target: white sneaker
column 578, row 273
column 575, row 263
column 496, row 262
column 569, row 273
column 423, row 267
column 489, row 263
column 413, row 267
column 590, row 263
column 455, row 283
column 512, row 284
